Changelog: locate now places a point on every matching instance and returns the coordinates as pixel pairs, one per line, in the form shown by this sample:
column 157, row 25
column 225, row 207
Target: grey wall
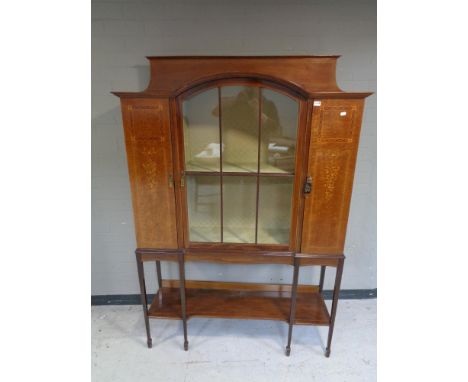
column 124, row 32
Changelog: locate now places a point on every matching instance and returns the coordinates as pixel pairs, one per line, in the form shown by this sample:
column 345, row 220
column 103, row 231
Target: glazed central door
column 240, row 145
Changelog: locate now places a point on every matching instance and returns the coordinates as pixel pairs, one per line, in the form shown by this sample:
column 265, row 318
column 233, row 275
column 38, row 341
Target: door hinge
column 308, row 185
column 171, row 181
column 182, row 180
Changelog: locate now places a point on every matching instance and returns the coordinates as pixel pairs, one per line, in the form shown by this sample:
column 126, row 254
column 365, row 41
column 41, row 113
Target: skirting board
column 134, row 299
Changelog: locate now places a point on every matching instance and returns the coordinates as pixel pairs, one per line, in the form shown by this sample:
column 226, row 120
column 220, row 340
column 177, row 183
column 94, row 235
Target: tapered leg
column 292, row 312
column 336, row 292
column 158, row 273
column 322, row 277
column 182, row 298
column 144, row 302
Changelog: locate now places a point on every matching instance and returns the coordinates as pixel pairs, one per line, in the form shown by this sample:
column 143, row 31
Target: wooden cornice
column 309, row 76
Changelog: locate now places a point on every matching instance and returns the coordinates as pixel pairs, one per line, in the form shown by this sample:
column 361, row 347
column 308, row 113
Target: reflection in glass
column 239, row 208
column 201, row 132
column 204, row 208
column 232, row 131
column 278, row 132
column 274, row 209
column 239, row 125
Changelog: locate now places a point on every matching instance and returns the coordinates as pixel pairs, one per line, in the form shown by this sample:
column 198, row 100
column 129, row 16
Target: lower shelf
column 240, row 304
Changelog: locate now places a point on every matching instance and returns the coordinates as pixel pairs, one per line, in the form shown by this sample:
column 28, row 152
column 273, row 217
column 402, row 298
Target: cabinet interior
column 240, row 151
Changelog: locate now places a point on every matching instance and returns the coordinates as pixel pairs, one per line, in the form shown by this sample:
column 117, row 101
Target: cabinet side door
column 335, row 129
column 149, row 156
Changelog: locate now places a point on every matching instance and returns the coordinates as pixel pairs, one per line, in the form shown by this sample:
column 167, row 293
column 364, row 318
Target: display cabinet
column 243, row 160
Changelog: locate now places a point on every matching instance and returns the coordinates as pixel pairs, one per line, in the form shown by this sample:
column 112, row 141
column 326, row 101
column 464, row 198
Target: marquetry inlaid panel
column 324, row 207
column 335, row 121
column 332, row 155
column 146, row 122
column 148, row 141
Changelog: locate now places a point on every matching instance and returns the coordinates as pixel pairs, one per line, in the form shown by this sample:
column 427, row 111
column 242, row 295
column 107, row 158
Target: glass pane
column 239, row 209
column 239, row 124
column 204, row 208
column 278, row 132
column 274, row 209
column 201, row 132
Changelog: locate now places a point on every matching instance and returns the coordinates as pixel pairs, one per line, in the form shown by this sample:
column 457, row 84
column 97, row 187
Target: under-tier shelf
column 240, row 304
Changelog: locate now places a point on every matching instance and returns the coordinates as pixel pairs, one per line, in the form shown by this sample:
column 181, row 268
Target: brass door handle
column 308, row 185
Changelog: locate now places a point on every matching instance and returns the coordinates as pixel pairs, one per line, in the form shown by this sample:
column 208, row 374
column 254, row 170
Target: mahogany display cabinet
column 241, row 160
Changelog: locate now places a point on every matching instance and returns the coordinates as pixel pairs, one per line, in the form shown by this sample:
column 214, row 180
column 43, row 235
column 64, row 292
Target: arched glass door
column 240, row 151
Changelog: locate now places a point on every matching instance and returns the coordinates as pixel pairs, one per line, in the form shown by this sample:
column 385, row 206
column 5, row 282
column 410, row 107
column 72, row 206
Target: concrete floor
column 232, row 350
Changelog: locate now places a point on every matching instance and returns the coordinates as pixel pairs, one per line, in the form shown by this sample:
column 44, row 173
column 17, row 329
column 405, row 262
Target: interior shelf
column 238, row 235
column 232, row 167
column 240, row 304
